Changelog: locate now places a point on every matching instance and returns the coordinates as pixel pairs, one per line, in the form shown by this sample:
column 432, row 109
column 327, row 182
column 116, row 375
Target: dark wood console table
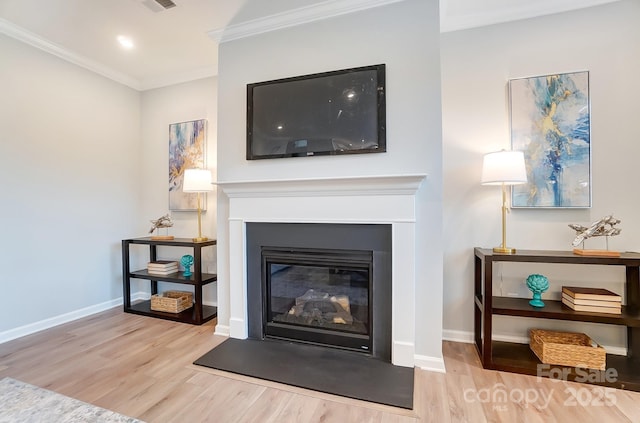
column 199, row 313
column 519, row 358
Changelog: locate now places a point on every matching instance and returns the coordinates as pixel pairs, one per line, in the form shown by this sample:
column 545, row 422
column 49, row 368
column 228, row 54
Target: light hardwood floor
column 141, row 367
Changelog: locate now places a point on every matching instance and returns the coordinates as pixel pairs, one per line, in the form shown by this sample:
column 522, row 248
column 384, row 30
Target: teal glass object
column 537, row 284
column 187, row 261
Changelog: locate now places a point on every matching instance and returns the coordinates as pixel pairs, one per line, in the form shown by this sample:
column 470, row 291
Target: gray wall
column 160, row 108
column 405, row 37
column 84, row 162
column 476, row 65
column 70, row 184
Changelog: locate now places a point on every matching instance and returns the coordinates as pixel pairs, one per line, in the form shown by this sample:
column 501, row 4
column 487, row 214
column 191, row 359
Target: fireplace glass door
column 318, row 296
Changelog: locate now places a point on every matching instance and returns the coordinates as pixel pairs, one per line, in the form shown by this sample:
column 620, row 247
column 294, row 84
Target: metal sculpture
column 603, row 227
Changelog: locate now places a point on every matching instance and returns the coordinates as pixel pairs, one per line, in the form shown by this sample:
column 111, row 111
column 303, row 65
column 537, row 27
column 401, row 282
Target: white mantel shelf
column 335, row 186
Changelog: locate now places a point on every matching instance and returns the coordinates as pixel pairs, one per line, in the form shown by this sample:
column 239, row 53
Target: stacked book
column 162, row 267
column 598, row 300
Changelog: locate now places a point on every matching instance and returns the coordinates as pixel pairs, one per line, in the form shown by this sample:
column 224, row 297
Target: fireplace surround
column 378, row 200
column 350, row 263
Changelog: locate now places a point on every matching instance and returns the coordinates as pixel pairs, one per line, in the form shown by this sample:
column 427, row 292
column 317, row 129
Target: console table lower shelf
column 187, row 316
column 518, row 358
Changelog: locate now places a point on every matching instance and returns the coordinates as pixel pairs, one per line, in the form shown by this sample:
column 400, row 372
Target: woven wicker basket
column 567, row 349
column 172, row 301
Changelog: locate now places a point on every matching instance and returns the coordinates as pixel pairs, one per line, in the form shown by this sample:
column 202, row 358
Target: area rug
column 345, row 373
column 21, row 402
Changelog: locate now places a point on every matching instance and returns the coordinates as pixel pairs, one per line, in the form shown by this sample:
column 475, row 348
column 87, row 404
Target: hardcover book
column 591, row 293
column 163, row 268
column 162, row 263
column 173, row 266
column 598, row 303
column 162, row 272
column 594, row 309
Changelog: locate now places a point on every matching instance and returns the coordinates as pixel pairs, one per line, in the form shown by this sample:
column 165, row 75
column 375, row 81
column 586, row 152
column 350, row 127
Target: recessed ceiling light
column 125, row 42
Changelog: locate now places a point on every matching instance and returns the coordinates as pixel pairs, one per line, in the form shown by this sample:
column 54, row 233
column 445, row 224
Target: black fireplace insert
column 318, row 296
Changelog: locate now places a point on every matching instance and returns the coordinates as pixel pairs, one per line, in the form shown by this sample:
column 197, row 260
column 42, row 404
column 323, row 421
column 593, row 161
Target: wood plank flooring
column 141, row 367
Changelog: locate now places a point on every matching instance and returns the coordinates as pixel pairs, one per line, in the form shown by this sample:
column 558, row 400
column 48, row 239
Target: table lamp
column 198, row 181
column 504, row 168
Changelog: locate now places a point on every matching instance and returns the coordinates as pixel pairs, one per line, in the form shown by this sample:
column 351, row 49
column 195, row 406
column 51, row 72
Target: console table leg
column 198, row 303
column 487, row 303
column 633, row 302
column 477, row 306
column 125, row 276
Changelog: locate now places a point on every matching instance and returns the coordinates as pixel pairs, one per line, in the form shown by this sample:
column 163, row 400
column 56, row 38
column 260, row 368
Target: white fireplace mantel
column 355, row 185
column 386, row 199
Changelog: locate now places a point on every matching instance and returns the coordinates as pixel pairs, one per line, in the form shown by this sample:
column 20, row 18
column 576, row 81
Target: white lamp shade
column 197, row 180
column 504, row 167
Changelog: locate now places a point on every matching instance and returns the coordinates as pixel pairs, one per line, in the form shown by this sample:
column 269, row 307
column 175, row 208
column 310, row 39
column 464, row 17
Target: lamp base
column 200, row 239
column 504, row 250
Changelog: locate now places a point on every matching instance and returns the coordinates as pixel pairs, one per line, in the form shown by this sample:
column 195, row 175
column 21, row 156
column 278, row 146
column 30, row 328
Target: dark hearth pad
column 333, row 371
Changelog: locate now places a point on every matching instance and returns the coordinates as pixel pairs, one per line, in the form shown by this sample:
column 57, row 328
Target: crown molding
column 294, row 17
column 519, row 11
column 27, row 37
column 299, row 16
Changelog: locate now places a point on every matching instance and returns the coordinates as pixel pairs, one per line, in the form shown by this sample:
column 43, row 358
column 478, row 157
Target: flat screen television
column 337, row 112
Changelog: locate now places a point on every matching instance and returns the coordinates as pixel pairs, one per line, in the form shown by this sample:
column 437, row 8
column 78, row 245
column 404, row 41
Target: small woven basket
column 172, row 301
column 567, row 349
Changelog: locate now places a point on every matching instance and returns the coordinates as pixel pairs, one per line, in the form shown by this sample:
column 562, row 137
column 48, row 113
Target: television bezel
column 381, row 112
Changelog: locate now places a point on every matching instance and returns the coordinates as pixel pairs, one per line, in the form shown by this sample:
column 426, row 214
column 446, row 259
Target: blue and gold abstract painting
column 550, row 123
column 186, row 151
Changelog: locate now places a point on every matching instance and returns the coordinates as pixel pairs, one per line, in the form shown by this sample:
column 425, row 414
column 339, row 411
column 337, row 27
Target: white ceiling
column 180, row 44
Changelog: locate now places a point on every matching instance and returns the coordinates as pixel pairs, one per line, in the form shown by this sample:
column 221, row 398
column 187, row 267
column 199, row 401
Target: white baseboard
column 615, row 350
column 141, row 295
column 222, row 330
column 50, row 322
column 64, row 318
column 432, row 364
column 457, row 336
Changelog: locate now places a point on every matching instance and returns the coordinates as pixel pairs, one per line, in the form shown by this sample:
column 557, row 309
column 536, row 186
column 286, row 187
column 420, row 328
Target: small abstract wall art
column 187, row 143
column 550, row 123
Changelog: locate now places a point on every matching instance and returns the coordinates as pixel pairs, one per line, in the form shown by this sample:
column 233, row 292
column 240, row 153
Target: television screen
column 338, row 112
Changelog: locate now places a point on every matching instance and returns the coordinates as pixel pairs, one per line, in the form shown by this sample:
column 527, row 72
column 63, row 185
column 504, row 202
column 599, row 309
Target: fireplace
column 323, row 284
column 318, row 296
column 364, row 215
column 386, row 201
